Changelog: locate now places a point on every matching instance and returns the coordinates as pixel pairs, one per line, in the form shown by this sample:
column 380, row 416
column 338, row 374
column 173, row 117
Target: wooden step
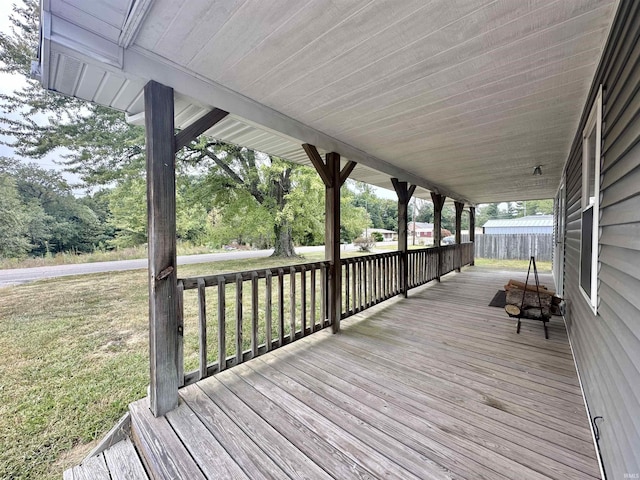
column 163, row 455
column 119, row 462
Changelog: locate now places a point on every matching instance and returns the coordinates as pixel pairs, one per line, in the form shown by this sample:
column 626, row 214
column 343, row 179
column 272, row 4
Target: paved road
column 23, row 275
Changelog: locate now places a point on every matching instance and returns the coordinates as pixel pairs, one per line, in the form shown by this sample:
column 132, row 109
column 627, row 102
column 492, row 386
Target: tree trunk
column 284, row 241
column 280, row 187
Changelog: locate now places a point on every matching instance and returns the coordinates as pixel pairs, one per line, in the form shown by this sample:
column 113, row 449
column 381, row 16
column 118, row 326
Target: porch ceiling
column 464, row 97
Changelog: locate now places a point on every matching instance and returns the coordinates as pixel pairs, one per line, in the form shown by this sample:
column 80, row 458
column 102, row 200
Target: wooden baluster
column 360, row 285
column 354, row 300
column 180, row 356
column 346, row 287
column 365, row 277
column 323, row 295
column 379, row 273
column 281, row 307
column 313, row 299
column 238, row 319
column 267, row 312
column 396, row 277
column 254, row 314
column 374, row 296
column 222, row 325
column 292, row 303
column 303, row 300
column 202, row 317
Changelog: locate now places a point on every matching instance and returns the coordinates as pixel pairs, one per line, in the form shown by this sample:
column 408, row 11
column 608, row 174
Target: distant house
column 532, row 224
column 388, row 235
column 422, row 229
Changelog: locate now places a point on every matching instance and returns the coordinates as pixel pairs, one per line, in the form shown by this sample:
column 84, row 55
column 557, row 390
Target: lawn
column 63, row 258
column 75, row 355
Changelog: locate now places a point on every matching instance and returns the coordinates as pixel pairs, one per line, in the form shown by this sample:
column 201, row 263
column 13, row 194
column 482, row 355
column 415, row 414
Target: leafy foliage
column 13, row 220
column 40, row 215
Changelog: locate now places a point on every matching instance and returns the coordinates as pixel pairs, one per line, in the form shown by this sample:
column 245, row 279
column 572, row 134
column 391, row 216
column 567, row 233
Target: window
column 591, row 157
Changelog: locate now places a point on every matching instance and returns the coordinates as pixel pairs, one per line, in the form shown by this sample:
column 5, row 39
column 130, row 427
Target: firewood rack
column 544, row 318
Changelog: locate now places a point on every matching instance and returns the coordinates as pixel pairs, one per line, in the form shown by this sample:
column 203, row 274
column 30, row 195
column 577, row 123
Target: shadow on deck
column 435, row 386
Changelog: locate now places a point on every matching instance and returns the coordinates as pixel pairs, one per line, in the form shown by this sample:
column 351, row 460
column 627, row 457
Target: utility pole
column 414, row 221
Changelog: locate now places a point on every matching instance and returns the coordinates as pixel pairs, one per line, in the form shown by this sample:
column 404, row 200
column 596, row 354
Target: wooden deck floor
column 435, row 386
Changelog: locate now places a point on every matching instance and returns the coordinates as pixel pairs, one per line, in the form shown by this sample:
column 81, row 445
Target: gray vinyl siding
column 607, row 345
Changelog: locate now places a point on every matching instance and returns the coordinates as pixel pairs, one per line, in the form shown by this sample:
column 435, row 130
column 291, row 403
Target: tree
column 535, row 207
column 382, row 212
column 13, row 220
column 102, row 148
column 353, row 220
column 51, row 218
column 424, row 211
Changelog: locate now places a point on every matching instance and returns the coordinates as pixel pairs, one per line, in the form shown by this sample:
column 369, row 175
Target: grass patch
column 521, row 265
column 64, row 258
column 76, row 354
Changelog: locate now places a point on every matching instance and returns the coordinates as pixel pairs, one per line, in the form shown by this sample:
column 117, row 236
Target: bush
column 377, row 236
column 364, row 244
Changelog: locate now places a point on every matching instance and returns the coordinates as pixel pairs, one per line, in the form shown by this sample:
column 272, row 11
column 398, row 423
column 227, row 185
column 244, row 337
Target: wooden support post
column 333, row 179
column 161, row 208
column 472, row 232
column 459, row 207
column 404, row 195
column 332, row 240
column 438, row 203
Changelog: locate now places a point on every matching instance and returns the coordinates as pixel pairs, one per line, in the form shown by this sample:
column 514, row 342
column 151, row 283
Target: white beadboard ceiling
column 464, row 97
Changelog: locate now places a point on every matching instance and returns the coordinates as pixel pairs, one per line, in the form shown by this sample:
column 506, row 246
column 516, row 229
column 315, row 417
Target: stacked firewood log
column 547, row 299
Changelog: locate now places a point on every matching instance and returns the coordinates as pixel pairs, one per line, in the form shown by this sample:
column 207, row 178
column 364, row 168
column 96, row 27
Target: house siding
column 607, row 345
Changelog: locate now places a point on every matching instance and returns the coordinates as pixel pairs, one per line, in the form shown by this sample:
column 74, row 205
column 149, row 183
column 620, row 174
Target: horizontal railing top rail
column 232, row 277
column 368, row 258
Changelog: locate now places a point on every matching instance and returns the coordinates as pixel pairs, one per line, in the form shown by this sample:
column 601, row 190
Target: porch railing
column 369, row 280
column 230, row 318
column 427, row 264
column 282, row 304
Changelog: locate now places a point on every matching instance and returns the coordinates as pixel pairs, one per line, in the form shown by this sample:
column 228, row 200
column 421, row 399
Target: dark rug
column 499, row 299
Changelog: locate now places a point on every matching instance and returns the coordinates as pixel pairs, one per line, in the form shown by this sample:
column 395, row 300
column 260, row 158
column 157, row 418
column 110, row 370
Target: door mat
column 499, row 299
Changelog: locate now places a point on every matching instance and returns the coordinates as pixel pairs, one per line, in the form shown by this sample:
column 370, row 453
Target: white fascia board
column 143, row 64
column 133, row 22
column 66, row 34
column 45, row 47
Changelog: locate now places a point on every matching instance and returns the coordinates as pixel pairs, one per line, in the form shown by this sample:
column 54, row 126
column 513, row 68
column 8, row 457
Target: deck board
column 435, row 386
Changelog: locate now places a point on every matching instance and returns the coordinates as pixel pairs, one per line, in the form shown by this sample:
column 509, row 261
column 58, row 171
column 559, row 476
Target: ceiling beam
column 318, row 163
column 197, row 128
column 346, row 171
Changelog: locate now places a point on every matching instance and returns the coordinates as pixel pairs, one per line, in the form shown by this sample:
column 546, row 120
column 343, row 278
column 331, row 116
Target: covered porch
column 466, row 102
column 438, row 385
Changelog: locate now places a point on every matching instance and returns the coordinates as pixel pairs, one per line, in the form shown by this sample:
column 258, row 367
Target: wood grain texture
column 399, row 393
column 202, row 330
column 161, row 209
column 124, row 463
column 93, row 468
column 332, row 241
column 164, row 454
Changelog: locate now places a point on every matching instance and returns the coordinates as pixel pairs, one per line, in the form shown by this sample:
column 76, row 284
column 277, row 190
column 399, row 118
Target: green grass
column 521, row 265
column 131, row 253
column 75, row 354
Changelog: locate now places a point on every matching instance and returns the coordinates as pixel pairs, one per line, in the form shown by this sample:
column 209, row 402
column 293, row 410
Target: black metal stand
column 543, row 317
